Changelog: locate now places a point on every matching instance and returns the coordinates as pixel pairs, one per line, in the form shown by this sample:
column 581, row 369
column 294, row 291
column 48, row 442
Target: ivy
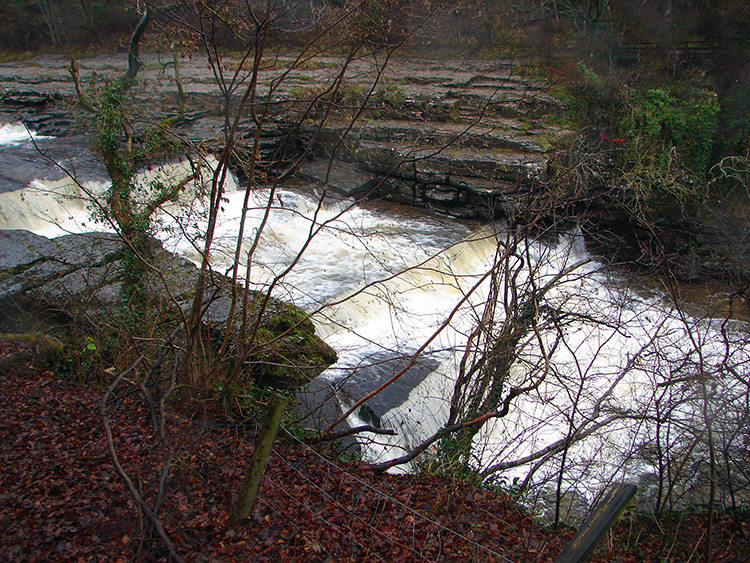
column 661, row 119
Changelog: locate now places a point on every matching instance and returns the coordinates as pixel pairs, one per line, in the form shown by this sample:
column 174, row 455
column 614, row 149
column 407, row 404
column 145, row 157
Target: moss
column 305, row 92
column 288, row 353
column 42, row 351
column 545, row 143
column 282, row 352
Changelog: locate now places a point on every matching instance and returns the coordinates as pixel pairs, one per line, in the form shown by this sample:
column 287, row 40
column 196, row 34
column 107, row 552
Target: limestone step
column 439, row 165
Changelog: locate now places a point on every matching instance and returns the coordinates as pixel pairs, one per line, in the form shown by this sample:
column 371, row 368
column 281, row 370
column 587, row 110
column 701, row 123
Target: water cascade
column 381, row 281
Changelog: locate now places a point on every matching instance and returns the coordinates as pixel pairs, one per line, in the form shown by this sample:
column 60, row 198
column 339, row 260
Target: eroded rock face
column 47, row 283
column 460, row 169
column 460, row 136
column 465, row 139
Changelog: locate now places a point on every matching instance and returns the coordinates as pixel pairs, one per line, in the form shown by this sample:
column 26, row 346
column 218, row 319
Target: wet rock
column 342, row 177
column 456, row 167
column 28, row 99
column 323, row 400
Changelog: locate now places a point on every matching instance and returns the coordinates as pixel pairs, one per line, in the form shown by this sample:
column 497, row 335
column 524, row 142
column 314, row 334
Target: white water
column 352, row 247
column 620, row 365
column 15, row 134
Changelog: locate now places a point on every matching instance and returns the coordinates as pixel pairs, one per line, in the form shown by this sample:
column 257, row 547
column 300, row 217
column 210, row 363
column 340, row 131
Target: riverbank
column 63, row 500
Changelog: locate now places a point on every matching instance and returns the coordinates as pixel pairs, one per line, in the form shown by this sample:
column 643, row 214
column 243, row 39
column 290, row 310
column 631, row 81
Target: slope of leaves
column 59, row 496
column 61, row 500
column 678, row 537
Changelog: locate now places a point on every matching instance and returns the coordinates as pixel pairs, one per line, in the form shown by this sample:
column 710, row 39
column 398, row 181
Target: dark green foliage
column 659, row 139
column 658, row 120
column 650, row 121
column 734, row 120
column 450, row 458
column 126, row 146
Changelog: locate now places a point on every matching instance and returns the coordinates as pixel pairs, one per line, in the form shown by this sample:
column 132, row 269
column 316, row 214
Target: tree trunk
column 263, row 443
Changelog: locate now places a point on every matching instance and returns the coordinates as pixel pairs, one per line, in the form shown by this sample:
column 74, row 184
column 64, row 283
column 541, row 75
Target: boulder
column 48, row 284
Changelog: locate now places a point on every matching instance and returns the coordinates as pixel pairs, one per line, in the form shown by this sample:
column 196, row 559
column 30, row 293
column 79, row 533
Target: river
column 628, row 381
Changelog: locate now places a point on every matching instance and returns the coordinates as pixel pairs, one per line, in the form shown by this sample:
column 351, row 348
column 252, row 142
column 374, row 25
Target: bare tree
column 191, row 351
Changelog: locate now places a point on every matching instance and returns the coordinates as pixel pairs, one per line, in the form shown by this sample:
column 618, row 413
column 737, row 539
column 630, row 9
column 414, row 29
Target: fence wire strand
column 333, row 469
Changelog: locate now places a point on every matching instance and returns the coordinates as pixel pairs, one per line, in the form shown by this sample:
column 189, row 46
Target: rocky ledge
column 54, row 286
column 458, row 136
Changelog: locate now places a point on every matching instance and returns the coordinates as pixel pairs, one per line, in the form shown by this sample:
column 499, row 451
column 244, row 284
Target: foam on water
column 351, row 246
column 606, row 365
column 16, row 133
column 379, row 282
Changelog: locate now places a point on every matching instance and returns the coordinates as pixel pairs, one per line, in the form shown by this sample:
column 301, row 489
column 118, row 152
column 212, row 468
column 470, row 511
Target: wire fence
column 372, row 524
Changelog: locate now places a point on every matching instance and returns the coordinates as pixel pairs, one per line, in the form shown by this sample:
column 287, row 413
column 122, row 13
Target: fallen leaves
column 61, row 500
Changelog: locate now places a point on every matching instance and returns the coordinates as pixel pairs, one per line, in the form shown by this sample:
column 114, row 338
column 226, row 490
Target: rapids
column 380, row 281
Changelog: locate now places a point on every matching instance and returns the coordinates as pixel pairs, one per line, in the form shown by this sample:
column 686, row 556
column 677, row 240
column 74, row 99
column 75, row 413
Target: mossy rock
column 81, row 277
column 287, row 354
column 38, row 350
column 291, row 361
column 283, row 353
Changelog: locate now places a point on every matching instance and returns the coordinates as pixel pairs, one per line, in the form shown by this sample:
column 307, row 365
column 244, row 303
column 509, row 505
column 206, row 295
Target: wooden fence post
column 254, row 474
column 599, row 521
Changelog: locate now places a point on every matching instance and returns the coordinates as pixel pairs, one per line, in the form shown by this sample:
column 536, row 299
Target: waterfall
column 380, row 281
column 53, row 207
